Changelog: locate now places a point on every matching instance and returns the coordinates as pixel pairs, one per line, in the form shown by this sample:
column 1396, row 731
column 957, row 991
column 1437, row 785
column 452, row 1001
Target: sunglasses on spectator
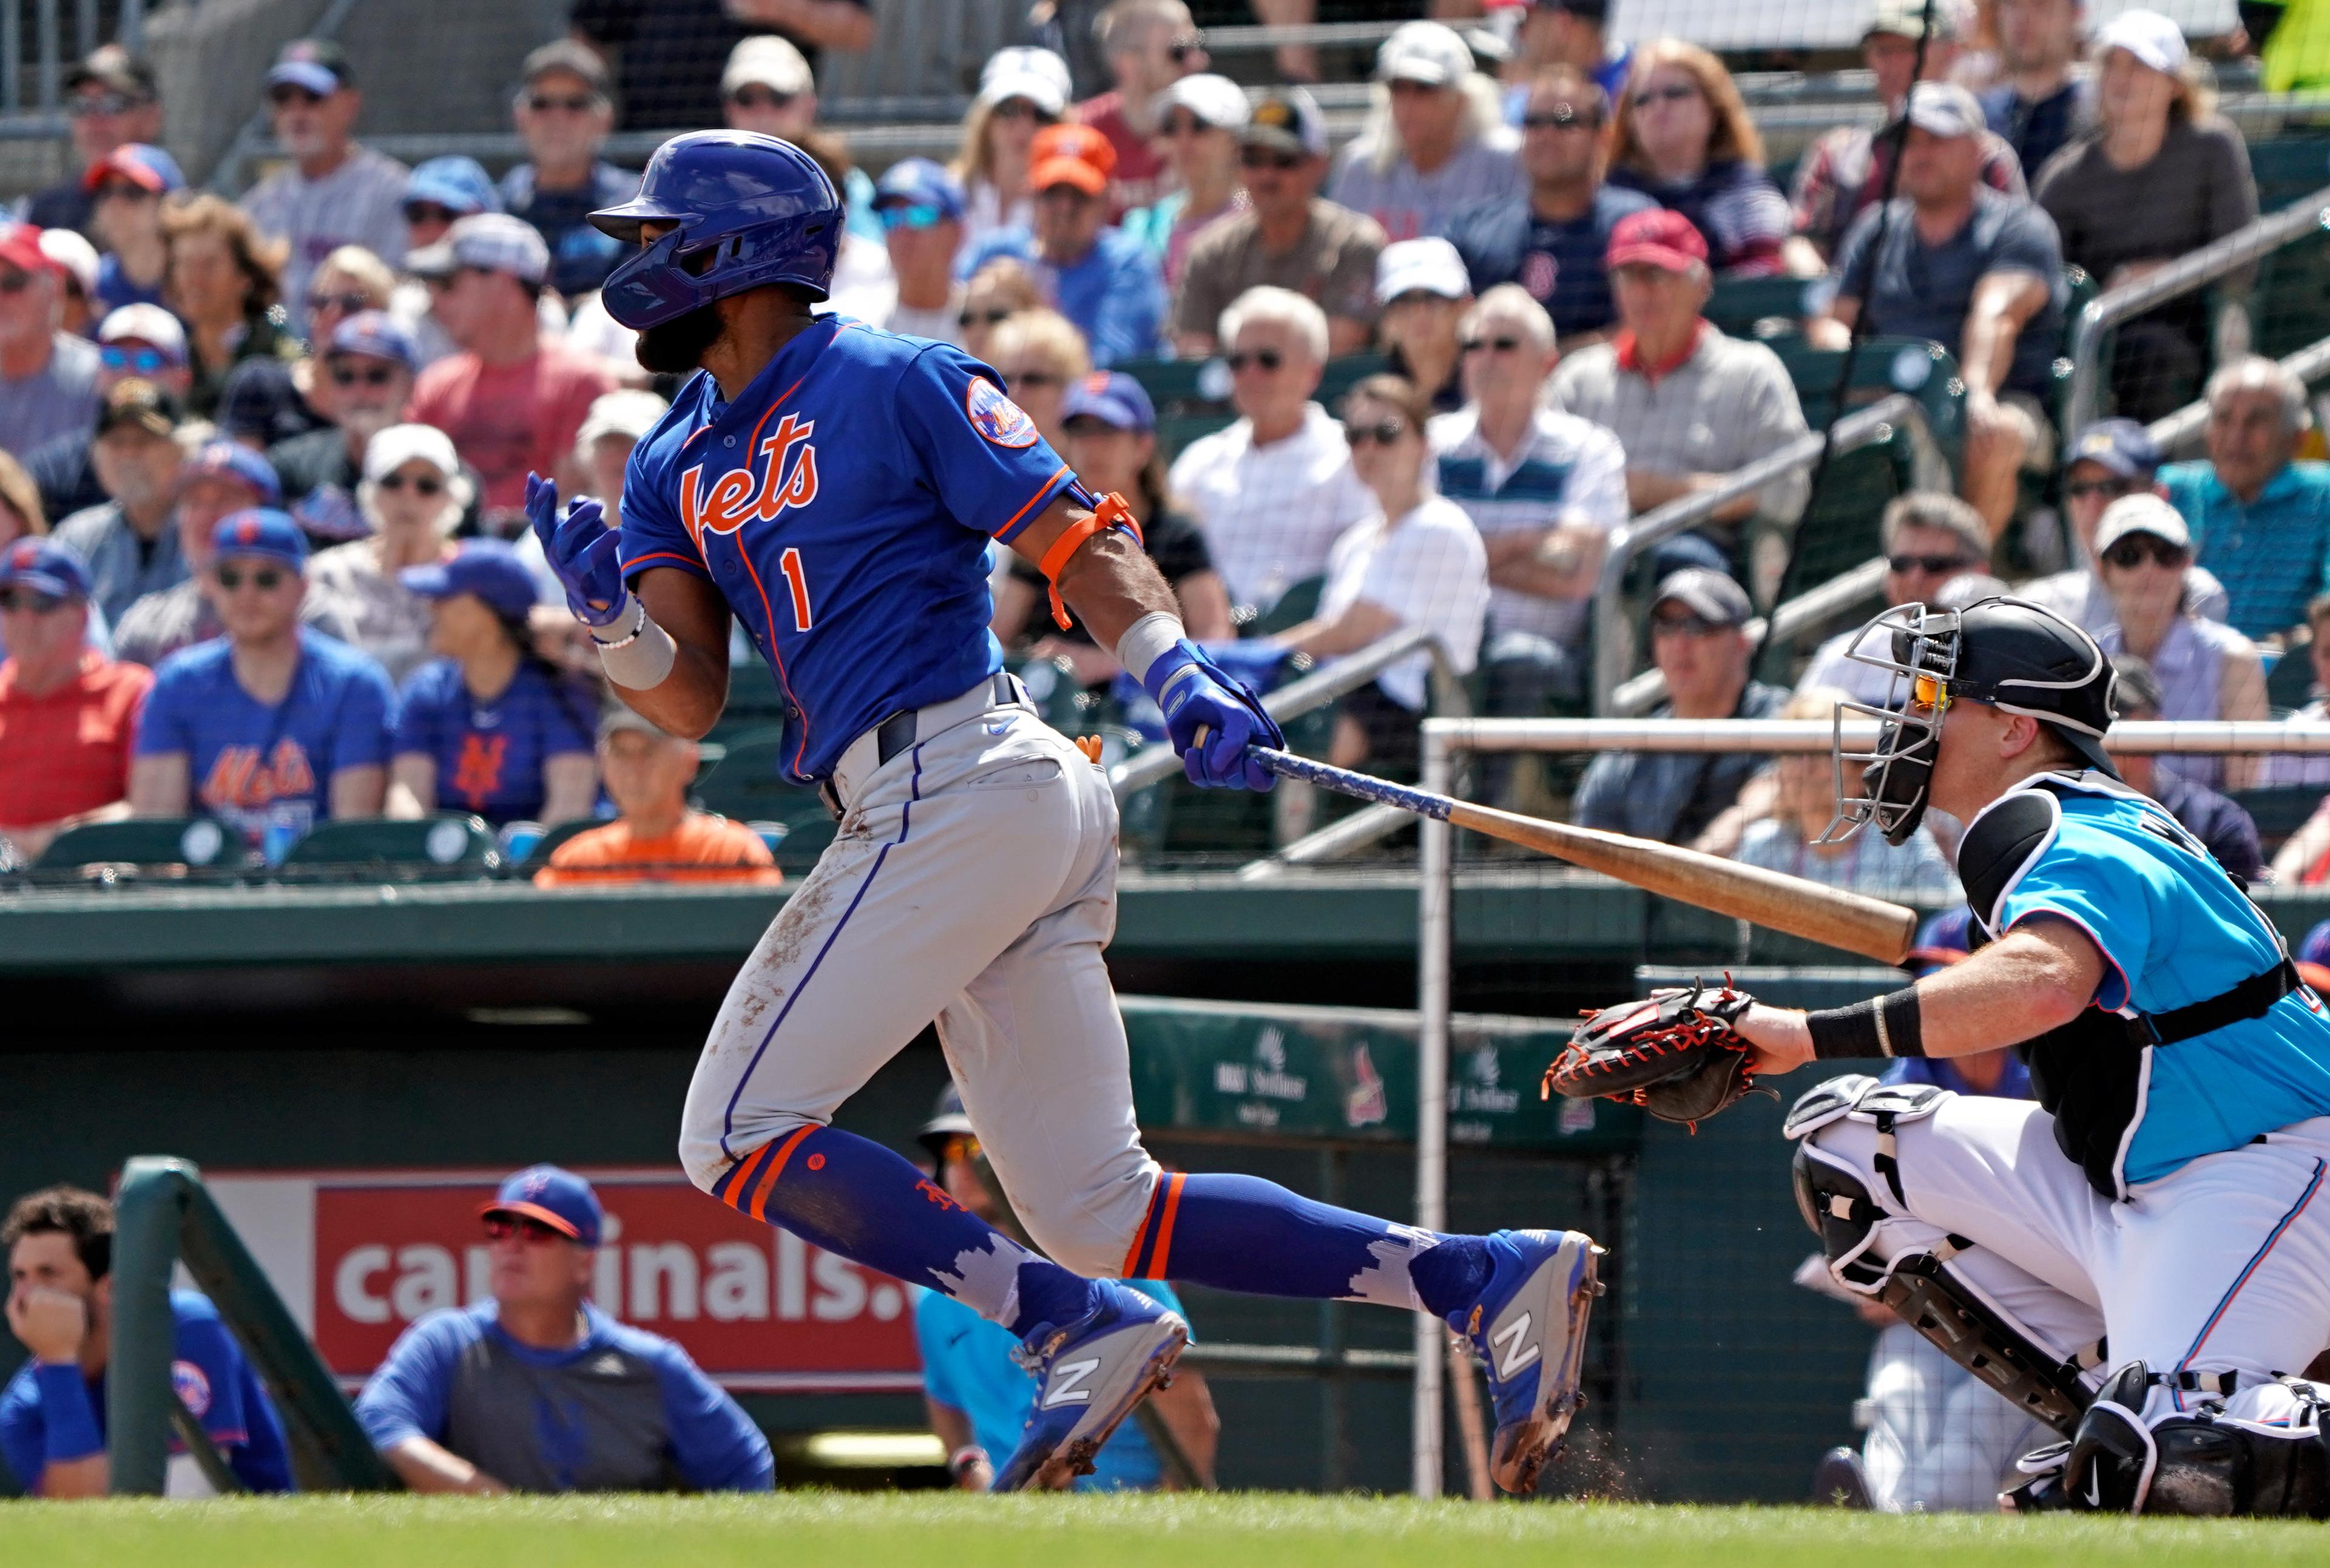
column 285, row 95
column 28, row 600
column 1020, row 109
column 959, row 1146
column 525, row 1227
column 1673, row 92
column 1036, row 378
column 990, row 317
column 1383, row 432
column 266, row 579
column 124, row 191
column 1266, row 358
column 1500, row 345
column 2138, row 548
column 1181, row 48
column 572, row 103
column 2079, row 489
column 1562, row 117
column 430, row 212
column 1932, row 565
column 921, row 216
column 420, row 484
column 349, row 303
column 1683, row 626
column 759, row 97
column 1263, row 158
column 448, row 279
column 14, row 282
column 137, row 361
column 87, row 106
column 367, row 376
column 1178, row 125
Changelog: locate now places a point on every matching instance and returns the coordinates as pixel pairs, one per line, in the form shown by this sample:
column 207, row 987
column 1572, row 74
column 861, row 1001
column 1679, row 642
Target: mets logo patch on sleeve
column 996, row 416
column 193, row 1388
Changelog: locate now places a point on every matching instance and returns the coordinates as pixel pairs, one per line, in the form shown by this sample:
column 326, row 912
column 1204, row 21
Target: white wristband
column 1145, row 642
column 641, row 659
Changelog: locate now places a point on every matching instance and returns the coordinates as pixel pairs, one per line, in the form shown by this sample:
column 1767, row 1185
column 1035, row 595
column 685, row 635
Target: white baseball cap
column 399, row 444
column 1429, row 265
column 628, row 411
column 1038, row 75
column 1944, row 109
column 143, row 323
column 2148, row 35
column 1425, row 51
column 68, row 250
column 765, row 59
column 492, row 241
column 2142, row 513
column 1215, row 100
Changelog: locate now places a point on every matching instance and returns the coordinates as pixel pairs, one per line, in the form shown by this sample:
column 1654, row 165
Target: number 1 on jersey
column 790, row 563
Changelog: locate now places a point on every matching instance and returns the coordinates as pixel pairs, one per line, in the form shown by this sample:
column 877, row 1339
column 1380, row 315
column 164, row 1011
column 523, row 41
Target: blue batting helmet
column 750, row 210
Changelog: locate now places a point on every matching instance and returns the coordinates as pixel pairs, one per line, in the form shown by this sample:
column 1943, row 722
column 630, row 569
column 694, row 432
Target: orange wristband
column 1111, row 513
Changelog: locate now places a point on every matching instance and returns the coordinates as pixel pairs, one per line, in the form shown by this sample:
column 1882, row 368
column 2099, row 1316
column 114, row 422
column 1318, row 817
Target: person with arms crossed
column 538, row 1391
column 655, row 837
column 839, row 487
column 68, row 714
column 2165, row 1184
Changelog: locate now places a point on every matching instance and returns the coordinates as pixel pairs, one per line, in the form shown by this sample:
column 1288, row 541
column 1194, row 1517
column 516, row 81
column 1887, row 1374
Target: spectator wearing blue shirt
column 2039, row 102
column 2261, row 521
column 1101, row 279
column 489, row 727
column 60, row 1243
column 538, row 1391
column 564, row 114
column 979, row 1398
column 127, row 187
column 1553, row 241
column 274, row 726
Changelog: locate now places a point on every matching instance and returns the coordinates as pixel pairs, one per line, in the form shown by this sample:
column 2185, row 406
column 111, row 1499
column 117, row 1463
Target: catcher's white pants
column 2223, row 1265
column 1940, row 1440
column 973, row 882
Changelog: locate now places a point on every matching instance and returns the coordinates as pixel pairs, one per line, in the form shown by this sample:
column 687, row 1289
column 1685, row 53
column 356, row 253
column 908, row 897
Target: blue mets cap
column 1113, row 398
column 316, row 65
column 41, row 564
column 919, row 182
column 2120, row 446
column 149, row 168
column 260, row 531
column 486, row 567
column 375, row 334
column 458, row 184
column 233, row 460
column 558, row 1198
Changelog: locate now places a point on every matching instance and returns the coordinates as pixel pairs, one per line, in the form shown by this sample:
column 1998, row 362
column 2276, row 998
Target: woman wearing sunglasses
column 1685, row 140
column 413, row 492
column 2144, row 550
column 1020, row 91
column 1419, row 563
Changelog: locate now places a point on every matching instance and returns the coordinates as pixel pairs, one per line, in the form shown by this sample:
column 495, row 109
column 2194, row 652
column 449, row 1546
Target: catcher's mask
column 2014, row 655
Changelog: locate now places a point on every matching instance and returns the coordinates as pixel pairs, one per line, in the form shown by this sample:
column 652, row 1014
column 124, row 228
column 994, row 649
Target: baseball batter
column 839, row 489
column 2159, row 1212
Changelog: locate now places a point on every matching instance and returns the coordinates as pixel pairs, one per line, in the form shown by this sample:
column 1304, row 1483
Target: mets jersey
column 843, row 506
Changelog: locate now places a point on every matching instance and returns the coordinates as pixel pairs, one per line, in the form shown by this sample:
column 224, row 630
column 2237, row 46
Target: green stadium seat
column 197, row 842
column 1927, row 371
column 1343, row 374
column 1295, row 606
column 2278, row 811
column 2289, row 684
column 1739, row 304
column 547, row 845
column 447, row 843
column 747, row 784
column 2289, row 169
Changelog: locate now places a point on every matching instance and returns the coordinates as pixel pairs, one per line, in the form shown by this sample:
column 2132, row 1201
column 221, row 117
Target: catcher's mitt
column 1675, row 1054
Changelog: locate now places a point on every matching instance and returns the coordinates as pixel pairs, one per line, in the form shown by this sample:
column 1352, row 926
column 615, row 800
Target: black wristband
column 1888, row 1025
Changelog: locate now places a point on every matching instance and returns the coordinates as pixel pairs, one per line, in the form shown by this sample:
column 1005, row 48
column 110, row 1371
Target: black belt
column 2249, row 999
column 896, row 734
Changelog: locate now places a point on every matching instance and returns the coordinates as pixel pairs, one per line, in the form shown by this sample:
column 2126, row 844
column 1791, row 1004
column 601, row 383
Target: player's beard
column 676, row 346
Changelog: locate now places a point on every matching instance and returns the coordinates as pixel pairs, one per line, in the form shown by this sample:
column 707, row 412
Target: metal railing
column 44, row 116
column 2183, row 276
column 2180, row 430
column 1784, row 737
column 1614, row 635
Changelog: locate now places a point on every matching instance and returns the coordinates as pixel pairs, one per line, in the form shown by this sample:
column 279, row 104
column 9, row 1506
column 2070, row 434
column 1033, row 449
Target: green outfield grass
column 924, row 1530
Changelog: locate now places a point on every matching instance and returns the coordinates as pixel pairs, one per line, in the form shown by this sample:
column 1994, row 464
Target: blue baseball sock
column 851, row 1196
column 1243, row 1233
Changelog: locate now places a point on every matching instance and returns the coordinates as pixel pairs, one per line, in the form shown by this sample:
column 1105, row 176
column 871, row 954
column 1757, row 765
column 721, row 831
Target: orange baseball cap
column 1071, row 154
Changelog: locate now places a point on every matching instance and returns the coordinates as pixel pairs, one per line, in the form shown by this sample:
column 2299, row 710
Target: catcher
column 2142, row 1257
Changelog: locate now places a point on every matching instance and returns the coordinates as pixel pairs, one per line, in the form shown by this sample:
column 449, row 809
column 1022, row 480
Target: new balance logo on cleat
column 1519, row 1349
column 1064, row 1389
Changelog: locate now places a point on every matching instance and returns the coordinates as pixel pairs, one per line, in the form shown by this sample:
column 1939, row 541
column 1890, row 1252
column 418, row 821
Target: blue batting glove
column 1211, row 718
column 584, row 553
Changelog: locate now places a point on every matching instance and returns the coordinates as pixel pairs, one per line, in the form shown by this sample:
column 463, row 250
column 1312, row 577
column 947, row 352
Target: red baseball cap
column 1071, row 154
column 1667, row 240
column 20, row 247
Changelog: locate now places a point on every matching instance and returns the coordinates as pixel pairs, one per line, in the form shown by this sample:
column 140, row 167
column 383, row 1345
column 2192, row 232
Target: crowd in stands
column 274, row 450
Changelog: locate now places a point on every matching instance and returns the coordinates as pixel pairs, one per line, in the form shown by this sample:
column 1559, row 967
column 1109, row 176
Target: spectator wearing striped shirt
column 1544, row 489
column 1685, row 139
column 2261, row 520
column 332, row 192
column 1274, row 491
column 1436, row 140
column 1417, row 562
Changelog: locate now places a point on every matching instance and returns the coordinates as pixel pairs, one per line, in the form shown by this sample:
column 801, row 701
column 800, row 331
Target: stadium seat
column 195, row 841
column 2289, row 169
column 1927, row 371
column 2278, row 811
column 1295, row 606
column 2289, row 684
column 747, row 784
column 547, row 845
column 1739, row 304
column 445, row 843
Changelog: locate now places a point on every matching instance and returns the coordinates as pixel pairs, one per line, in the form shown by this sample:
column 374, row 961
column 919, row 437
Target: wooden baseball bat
column 1854, row 922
